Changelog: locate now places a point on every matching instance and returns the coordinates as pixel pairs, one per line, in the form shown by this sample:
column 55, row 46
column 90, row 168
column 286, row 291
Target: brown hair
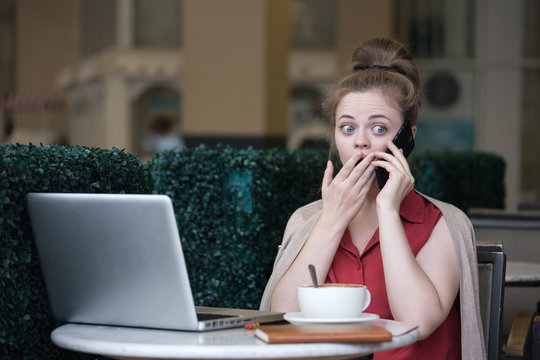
column 382, row 64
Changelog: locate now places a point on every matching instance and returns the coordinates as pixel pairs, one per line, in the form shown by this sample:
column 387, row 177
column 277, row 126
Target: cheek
column 378, row 143
column 345, row 150
column 381, row 144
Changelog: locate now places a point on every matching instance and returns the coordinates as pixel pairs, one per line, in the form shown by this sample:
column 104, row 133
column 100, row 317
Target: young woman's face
column 365, row 122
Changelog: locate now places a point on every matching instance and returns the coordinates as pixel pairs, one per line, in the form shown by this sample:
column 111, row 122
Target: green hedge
column 25, row 322
column 232, row 206
column 465, row 179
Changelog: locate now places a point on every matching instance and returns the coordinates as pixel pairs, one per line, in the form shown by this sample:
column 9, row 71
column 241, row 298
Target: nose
column 361, row 139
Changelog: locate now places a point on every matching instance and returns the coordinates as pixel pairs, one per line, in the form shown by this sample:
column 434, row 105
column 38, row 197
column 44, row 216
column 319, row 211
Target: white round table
column 239, row 343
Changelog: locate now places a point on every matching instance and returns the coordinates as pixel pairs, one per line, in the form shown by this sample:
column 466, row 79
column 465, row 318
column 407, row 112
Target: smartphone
column 404, row 140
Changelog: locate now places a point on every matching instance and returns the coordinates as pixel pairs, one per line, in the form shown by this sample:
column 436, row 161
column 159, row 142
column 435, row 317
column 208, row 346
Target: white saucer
column 297, row 318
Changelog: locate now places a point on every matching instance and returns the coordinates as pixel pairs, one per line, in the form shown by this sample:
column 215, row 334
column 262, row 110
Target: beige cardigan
column 472, row 340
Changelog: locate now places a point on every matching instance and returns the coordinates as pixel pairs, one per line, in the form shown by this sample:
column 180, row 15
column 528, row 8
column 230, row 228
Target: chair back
column 491, row 273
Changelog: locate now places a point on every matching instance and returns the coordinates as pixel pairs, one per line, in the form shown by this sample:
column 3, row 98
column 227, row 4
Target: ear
column 413, row 129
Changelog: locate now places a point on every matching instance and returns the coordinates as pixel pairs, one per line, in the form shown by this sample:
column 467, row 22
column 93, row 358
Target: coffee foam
column 331, row 285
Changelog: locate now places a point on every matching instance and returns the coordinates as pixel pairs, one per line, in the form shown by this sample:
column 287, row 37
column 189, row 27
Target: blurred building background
column 149, row 75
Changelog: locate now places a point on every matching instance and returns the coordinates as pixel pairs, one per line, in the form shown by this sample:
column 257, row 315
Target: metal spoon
column 313, row 275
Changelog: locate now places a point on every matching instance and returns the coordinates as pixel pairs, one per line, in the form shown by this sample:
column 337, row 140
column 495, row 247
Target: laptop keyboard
column 206, row 316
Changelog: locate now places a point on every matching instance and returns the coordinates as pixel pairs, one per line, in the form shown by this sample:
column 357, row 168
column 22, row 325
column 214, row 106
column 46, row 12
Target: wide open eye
column 348, row 129
column 379, row 129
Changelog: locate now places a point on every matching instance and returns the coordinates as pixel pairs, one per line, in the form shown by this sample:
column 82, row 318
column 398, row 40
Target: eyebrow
column 375, row 116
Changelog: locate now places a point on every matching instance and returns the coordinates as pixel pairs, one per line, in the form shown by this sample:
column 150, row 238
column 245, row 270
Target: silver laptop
column 117, row 260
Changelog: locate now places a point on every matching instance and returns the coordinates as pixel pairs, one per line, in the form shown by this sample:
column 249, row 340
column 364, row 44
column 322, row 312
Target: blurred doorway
column 156, row 116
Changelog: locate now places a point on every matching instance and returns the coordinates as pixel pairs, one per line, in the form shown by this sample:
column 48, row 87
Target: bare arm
column 421, row 290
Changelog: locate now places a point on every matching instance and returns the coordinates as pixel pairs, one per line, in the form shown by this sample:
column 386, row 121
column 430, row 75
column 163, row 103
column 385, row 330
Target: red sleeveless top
column 419, row 217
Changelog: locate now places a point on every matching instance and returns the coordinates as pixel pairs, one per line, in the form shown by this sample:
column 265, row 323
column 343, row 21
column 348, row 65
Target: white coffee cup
column 336, row 301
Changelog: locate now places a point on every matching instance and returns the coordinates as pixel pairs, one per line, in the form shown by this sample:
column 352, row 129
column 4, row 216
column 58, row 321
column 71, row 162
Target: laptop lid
column 116, row 259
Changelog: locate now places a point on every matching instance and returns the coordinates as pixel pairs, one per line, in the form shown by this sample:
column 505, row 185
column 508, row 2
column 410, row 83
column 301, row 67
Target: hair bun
column 385, row 54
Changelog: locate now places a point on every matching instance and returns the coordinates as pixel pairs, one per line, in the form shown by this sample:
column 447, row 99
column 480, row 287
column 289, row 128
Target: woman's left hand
column 400, row 180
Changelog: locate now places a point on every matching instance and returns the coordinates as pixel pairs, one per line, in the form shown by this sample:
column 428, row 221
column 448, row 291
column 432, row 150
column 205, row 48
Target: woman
column 415, row 254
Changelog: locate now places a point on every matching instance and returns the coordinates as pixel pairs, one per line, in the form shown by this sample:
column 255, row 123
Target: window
column 313, row 24
column 98, row 26
column 530, row 124
column 437, row 28
column 157, row 25
column 440, row 36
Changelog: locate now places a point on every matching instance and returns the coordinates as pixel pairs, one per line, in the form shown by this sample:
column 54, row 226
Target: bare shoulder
column 439, row 243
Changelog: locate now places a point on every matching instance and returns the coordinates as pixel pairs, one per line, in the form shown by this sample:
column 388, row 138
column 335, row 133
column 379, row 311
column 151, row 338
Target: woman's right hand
column 344, row 195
